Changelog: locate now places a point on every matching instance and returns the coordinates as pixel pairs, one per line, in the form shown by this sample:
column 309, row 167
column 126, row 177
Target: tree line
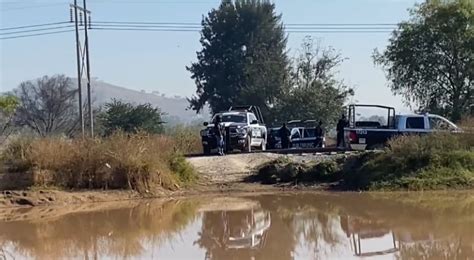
column 429, row 61
column 49, row 106
column 244, row 59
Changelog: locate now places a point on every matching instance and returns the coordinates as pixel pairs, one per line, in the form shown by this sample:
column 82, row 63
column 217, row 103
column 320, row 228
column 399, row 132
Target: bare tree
column 48, row 105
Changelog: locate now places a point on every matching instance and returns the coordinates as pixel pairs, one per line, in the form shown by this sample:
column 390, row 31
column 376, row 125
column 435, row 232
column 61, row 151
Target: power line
column 31, row 26
column 342, row 24
column 157, row 23
column 146, row 29
column 36, row 30
column 196, row 27
column 146, row 26
column 286, row 24
column 196, row 30
column 154, row 2
column 199, row 27
column 36, row 34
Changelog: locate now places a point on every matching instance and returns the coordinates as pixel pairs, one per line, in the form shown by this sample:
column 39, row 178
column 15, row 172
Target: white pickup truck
column 362, row 135
column 244, row 130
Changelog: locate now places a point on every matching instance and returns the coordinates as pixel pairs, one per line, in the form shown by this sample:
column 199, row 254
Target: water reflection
column 228, row 233
column 291, row 226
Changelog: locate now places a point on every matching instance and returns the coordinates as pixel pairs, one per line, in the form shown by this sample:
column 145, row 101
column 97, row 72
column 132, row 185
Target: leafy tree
column 8, row 106
column 314, row 93
column 126, row 117
column 48, row 106
column 243, row 58
column 430, row 58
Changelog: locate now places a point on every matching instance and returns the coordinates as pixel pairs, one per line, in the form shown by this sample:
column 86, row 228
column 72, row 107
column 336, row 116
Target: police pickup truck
column 363, row 134
column 302, row 135
column 244, row 130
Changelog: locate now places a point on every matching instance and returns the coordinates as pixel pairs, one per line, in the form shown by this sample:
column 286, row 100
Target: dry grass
column 141, row 162
column 187, row 138
column 427, row 162
column 467, row 125
column 467, row 137
column 430, row 162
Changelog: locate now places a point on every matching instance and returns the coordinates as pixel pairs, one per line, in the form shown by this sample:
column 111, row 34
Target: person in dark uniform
column 319, row 133
column 284, row 134
column 340, row 131
column 219, row 135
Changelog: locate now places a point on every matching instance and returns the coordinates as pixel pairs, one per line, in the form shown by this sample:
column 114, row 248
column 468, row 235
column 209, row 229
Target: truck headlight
column 204, row 132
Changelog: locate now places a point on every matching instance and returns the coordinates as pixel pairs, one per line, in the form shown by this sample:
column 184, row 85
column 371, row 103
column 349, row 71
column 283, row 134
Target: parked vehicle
column 273, row 139
column 303, row 135
column 363, row 134
column 244, row 130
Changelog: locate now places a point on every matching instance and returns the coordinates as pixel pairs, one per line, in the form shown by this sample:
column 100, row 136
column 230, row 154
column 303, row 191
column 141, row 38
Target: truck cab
column 244, row 130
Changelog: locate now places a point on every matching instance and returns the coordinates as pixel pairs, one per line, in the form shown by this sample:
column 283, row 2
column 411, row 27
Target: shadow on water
column 285, row 226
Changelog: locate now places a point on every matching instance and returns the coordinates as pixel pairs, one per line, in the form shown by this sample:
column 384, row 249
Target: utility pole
column 81, row 65
column 89, row 99
column 79, row 74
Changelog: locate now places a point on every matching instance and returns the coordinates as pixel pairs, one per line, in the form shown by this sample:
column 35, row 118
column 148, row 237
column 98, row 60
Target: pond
column 266, row 226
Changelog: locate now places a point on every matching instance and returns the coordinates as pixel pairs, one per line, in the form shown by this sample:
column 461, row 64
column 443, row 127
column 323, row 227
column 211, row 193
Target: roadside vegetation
column 130, row 151
column 186, row 137
column 141, row 162
column 431, row 162
column 442, row 161
column 137, row 150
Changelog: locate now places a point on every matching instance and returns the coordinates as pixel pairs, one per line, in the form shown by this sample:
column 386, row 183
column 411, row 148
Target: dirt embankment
column 236, row 167
column 217, row 174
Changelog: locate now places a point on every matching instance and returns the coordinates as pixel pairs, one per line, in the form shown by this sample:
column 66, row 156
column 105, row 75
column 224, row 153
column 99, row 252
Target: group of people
column 285, row 134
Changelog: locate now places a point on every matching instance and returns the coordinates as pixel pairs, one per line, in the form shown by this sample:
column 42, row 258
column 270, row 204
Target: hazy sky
column 155, row 61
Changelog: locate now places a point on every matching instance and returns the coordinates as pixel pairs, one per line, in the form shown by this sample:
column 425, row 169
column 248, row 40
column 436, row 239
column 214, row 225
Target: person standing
column 219, row 135
column 341, row 124
column 319, row 134
column 284, row 134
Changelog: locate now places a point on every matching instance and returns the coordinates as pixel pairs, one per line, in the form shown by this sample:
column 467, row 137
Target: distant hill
column 174, row 107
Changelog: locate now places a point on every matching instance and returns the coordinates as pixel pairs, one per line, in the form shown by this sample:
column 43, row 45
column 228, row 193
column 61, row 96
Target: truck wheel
column 207, row 150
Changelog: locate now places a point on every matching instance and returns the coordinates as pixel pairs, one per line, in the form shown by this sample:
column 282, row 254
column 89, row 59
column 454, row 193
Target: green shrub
column 284, row 170
column 183, row 170
column 416, row 163
column 430, row 162
column 325, row 171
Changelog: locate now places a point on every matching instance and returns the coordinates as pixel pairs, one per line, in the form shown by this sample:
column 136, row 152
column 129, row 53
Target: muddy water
column 284, row 226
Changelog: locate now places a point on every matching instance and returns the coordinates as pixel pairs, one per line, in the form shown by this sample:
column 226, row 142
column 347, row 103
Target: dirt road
column 234, row 168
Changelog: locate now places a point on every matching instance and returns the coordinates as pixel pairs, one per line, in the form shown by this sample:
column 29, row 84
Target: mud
column 217, row 174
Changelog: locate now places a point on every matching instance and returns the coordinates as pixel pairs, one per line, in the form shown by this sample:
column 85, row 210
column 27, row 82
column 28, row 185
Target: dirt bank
column 217, row 174
column 56, row 197
column 234, row 168
column 204, row 202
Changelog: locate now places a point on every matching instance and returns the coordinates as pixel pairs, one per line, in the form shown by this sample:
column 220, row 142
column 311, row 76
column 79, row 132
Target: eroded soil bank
column 228, row 174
